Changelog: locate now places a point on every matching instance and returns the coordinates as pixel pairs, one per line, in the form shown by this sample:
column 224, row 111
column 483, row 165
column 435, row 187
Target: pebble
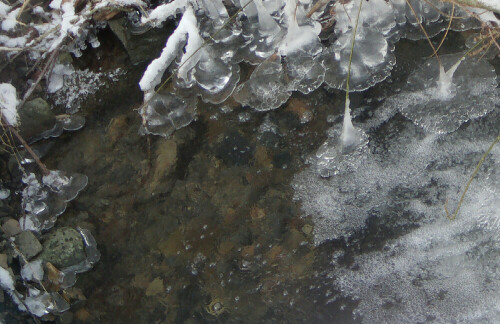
column 11, row 227
column 28, row 244
column 3, row 261
column 155, row 287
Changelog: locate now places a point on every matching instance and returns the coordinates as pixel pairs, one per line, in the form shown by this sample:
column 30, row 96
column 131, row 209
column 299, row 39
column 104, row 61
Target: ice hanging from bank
column 372, row 58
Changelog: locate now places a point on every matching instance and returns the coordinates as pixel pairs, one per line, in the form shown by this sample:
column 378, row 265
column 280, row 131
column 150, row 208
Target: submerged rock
column 36, row 117
column 63, row 248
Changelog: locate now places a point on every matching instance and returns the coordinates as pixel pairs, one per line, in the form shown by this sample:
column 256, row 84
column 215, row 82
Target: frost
column 8, row 103
column 78, row 85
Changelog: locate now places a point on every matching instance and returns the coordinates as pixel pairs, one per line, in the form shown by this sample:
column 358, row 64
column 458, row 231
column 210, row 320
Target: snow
column 6, row 280
column 4, row 9
column 10, row 20
column 32, row 271
column 187, row 30
column 8, row 103
column 493, row 4
column 165, row 11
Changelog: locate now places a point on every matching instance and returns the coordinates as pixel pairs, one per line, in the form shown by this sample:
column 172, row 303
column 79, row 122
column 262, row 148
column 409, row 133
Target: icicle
column 350, row 136
column 267, row 25
column 445, row 84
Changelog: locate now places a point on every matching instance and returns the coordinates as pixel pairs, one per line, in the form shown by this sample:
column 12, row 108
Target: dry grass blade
column 476, row 170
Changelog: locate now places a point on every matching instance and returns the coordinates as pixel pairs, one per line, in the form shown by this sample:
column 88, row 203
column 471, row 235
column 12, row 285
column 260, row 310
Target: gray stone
column 28, row 244
column 3, row 261
column 63, row 248
column 11, row 227
column 36, row 116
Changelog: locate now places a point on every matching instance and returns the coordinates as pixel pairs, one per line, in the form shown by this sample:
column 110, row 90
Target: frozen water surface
column 443, row 107
column 428, row 268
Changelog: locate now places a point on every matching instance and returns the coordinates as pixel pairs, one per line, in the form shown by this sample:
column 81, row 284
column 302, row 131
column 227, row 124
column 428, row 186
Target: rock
column 36, row 116
column 155, row 287
column 3, row 261
column 63, row 248
column 28, row 244
column 65, row 318
column 117, row 128
column 141, row 44
column 11, row 227
column 166, row 157
column 307, row 229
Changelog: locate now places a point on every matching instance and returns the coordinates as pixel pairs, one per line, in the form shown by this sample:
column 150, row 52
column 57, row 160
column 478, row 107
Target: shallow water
column 203, row 226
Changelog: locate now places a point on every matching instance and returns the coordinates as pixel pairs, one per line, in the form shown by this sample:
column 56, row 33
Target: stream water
column 228, row 221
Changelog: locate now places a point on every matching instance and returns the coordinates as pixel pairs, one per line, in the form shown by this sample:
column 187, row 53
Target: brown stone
column 262, row 158
column 274, row 253
column 11, row 227
column 3, row 261
column 225, row 247
column 257, row 213
column 248, row 251
column 155, row 287
column 117, row 128
column 83, row 315
column 166, row 157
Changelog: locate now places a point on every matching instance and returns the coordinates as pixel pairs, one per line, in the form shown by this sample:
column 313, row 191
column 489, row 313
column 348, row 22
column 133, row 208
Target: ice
column 211, row 78
column 8, row 104
column 165, row 113
column 441, row 103
column 350, row 136
column 266, row 89
column 216, row 11
column 267, row 26
column 63, row 122
column 304, row 72
column 66, row 187
column 444, row 271
column 372, row 60
column 410, row 263
column 375, row 14
column 44, row 201
column 298, row 37
column 41, row 205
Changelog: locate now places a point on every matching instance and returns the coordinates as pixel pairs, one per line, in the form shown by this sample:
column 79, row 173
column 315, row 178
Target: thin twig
column 35, row 157
column 476, row 170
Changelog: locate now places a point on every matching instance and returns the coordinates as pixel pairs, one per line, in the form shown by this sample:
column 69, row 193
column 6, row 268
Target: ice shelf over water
column 422, row 266
column 441, row 103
